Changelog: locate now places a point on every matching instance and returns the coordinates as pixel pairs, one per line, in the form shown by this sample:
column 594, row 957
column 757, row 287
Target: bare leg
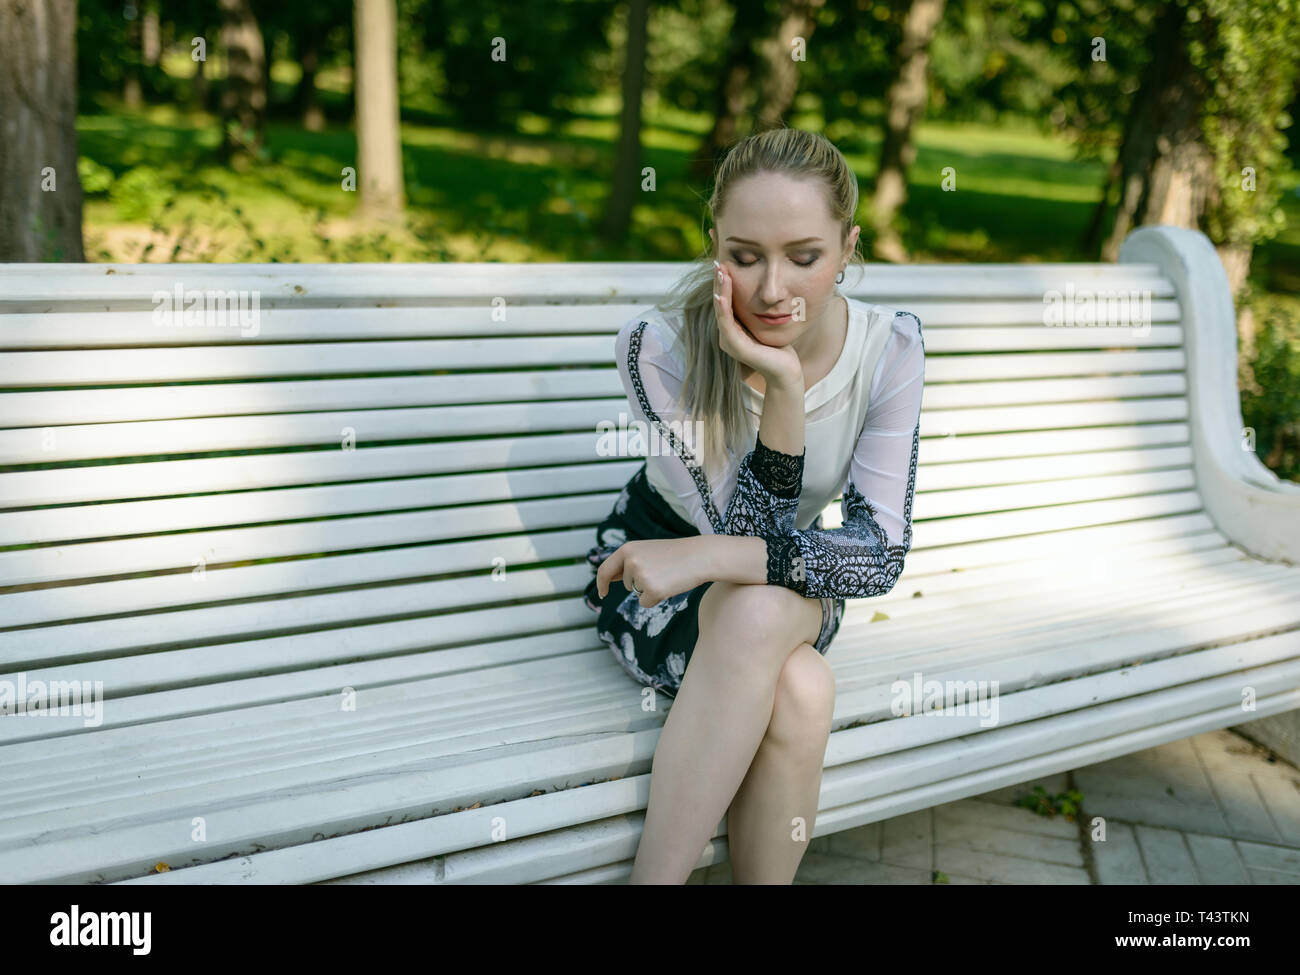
column 772, row 816
column 717, row 720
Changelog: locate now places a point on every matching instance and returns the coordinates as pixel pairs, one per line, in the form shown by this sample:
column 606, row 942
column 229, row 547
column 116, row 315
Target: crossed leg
column 747, row 730
column 771, row 819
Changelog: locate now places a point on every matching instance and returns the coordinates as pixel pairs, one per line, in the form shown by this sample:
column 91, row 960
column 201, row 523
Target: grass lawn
column 538, row 195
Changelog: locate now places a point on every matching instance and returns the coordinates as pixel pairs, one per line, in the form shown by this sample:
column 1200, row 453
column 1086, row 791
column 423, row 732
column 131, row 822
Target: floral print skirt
column 654, row 645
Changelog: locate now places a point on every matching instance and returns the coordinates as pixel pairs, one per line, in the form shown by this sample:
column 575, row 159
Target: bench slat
column 161, row 478
column 19, row 370
column 99, row 328
column 259, row 399
column 270, row 470
column 153, row 517
column 172, row 437
column 152, row 438
column 373, row 497
column 250, row 399
column 42, row 288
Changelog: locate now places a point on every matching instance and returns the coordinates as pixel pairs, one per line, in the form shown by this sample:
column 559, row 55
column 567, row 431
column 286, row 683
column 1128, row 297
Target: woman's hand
column 777, row 366
column 658, row 567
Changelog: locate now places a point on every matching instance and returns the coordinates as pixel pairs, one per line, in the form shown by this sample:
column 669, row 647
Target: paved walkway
column 1215, row 808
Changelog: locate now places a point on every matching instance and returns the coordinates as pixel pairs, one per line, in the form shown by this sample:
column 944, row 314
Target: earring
column 840, row 279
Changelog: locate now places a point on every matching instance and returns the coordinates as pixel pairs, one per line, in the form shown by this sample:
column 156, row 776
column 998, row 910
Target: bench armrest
column 1247, row 501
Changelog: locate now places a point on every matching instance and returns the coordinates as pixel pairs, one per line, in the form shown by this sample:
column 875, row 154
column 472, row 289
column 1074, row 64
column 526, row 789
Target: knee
column 804, row 704
column 751, row 615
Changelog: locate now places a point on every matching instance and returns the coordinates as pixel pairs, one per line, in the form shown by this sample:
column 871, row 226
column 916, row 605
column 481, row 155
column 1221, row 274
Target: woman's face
column 782, row 249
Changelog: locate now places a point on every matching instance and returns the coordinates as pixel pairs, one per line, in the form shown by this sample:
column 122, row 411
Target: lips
column 774, row 319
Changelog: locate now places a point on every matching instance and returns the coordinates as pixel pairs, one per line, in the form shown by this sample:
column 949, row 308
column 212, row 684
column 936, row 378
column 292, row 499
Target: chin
column 776, row 336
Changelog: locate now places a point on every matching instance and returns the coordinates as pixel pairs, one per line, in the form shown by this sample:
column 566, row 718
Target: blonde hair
column 712, row 384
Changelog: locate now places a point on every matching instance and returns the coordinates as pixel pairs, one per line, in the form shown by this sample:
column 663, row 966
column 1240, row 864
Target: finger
column 611, row 570
column 726, row 320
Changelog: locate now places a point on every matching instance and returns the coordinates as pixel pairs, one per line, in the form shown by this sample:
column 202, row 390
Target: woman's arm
column 782, row 425
column 763, row 490
column 865, row 556
column 728, row 558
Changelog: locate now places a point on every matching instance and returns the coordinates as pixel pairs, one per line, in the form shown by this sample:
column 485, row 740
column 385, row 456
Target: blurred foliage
column 1270, row 396
column 95, row 179
column 140, row 193
column 1251, row 67
column 499, row 58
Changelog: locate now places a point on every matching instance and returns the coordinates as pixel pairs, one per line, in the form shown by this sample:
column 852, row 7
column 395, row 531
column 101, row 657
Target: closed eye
column 807, row 263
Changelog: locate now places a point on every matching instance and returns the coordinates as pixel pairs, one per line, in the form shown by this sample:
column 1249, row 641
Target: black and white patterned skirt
column 654, row 645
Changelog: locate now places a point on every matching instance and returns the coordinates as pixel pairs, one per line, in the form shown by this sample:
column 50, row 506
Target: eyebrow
column 802, row 240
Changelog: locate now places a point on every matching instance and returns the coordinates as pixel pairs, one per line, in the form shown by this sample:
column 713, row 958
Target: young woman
column 715, row 582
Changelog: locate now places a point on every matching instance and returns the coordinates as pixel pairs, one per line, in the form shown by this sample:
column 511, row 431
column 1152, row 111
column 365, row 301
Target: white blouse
column 860, row 444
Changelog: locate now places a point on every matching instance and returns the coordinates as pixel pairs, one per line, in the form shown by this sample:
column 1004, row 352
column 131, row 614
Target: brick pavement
column 1215, row 808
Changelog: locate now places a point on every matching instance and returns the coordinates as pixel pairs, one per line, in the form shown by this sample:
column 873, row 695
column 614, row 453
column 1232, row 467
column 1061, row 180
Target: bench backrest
column 416, row 446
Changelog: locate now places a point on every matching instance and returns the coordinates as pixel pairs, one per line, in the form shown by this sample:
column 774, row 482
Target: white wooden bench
column 330, row 573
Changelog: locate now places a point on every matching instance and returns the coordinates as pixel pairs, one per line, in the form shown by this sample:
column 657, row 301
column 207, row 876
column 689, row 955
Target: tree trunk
column 731, row 96
column 781, row 77
column 627, row 164
column 150, row 35
column 268, row 40
column 1166, row 170
column 40, row 199
column 1090, row 240
column 131, row 92
column 243, row 100
column 308, row 99
column 379, row 146
column 904, row 102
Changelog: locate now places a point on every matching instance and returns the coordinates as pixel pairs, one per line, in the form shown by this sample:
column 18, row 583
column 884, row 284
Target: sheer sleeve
column 865, row 556
column 762, row 492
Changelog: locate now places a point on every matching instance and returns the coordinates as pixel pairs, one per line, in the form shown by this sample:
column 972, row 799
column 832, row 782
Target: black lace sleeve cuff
column 785, row 564
column 780, row 473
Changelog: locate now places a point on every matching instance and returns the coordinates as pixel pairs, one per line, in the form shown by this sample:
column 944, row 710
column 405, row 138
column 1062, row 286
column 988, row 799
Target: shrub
column 140, row 193
column 1273, row 406
column 95, row 179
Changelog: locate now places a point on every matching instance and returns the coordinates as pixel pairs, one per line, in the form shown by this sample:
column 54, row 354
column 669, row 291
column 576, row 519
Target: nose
column 771, row 289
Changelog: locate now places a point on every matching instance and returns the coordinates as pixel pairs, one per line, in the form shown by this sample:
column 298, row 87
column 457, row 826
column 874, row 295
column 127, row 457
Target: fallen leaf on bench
column 878, row 616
